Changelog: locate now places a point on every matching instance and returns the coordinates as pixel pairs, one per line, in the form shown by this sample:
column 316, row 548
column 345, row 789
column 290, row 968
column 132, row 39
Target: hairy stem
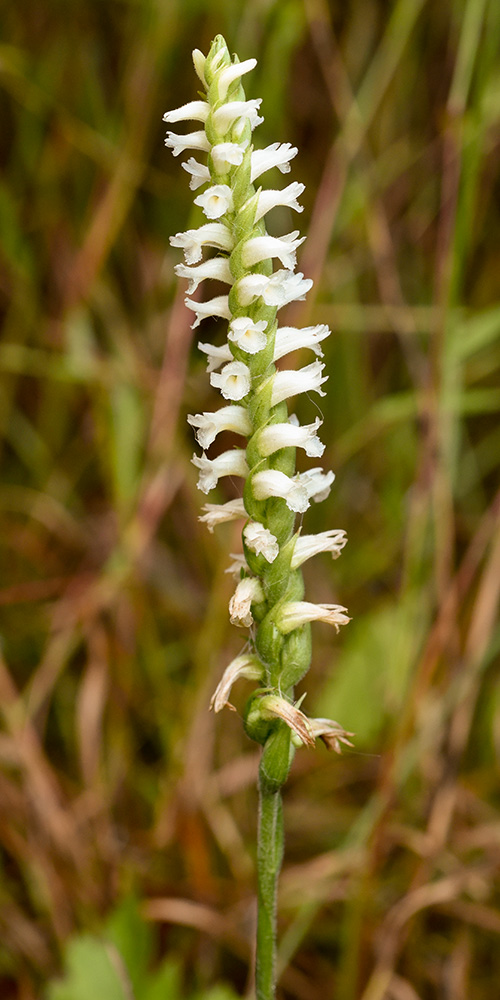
column 269, row 858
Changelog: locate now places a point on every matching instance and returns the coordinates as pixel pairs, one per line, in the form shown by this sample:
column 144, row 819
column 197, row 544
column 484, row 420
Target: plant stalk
column 269, row 858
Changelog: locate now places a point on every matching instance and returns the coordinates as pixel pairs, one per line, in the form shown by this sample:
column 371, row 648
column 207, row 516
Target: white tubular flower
column 272, row 706
column 199, row 173
column 243, row 666
column 193, row 140
column 193, row 111
column 212, row 234
column 307, row 546
column 199, row 61
column 229, row 463
column 214, row 267
column 278, row 290
column 226, row 155
column 221, row 513
column 294, row 614
column 215, row 201
column 228, row 418
column 289, row 383
column 230, row 112
column 287, row 197
column 233, row 381
column 265, row 247
column 219, row 306
column 229, row 74
column 276, row 155
column 331, row 733
column 276, row 436
column 247, row 335
column 272, row 483
column 248, row 592
column 316, row 483
column 216, row 356
column 289, row 338
column 261, row 541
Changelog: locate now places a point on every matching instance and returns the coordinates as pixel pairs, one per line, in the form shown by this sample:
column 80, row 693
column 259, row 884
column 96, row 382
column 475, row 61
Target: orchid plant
column 269, row 595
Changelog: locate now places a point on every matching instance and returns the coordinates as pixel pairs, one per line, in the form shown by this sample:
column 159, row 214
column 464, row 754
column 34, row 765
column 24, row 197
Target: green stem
column 269, row 858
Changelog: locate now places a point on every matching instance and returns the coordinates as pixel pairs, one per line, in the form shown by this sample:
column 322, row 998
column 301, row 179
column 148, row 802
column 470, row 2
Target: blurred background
column 127, row 811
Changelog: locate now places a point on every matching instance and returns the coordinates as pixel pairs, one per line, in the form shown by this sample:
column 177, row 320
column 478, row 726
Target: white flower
column 216, row 356
column 199, row 173
column 278, row 290
column 272, row 483
column 275, row 155
column 331, row 733
column 294, row 614
column 238, row 564
column 261, row 541
column 248, row 592
column 307, row 546
column 228, row 113
column 221, row 513
column 214, row 267
column 228, row 418
column 316, row 483
column 219, row 306
column 247, row 335
column 199, row 61
column 289, row 435
column 215, row 201
column 289, row 338
column 212, row 234
column 233, row 381
column 289, row 382
column 243, row 666
column 194, row 110
column 272, row 706
column 263, row 247
column 226, row 155
column 229, row 74
column 287, row 197
column 229, row 463
column 193, row 140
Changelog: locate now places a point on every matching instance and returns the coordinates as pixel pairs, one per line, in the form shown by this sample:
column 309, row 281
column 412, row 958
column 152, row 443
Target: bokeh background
column 127, row 811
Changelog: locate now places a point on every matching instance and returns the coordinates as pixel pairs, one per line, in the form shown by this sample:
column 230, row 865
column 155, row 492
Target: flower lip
column 233, row 381
column 193, row 140
column 215, row 201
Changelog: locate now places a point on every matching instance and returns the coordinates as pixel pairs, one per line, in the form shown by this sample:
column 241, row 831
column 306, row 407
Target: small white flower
column 233, row 381
column 216, row 356
column 287, row 197
column 243, row 666
column 199, row 173
column 289, row 383
column 214, row 267
column 221, row 513
column 307, row 546
column 230, row 112
column 316, row 483
column 193, row 111
column 215, row 201
column 272, row 483
column 278, row 290
column 272, row 706
column 294, row 614
column 248, row 592
column 193, row 140
column 226, row 155
column 289, row 435
column 219, row 306
column 228, row 418
column 199, row 61
column 276, row 155
column 238, row 564
column 289, row 338
column 264, row 247
column 212, row 234
column 229, row 463
column 229, row 74
column 247, row 335
column 261, row 541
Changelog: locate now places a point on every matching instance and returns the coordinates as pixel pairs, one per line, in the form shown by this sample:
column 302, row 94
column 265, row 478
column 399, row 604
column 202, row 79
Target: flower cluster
column 269, row 594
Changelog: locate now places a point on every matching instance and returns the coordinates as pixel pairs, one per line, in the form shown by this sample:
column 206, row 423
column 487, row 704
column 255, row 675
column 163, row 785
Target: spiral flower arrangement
column 269, row 594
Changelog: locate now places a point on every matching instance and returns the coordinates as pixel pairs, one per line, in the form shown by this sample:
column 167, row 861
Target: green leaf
column 92, row 969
